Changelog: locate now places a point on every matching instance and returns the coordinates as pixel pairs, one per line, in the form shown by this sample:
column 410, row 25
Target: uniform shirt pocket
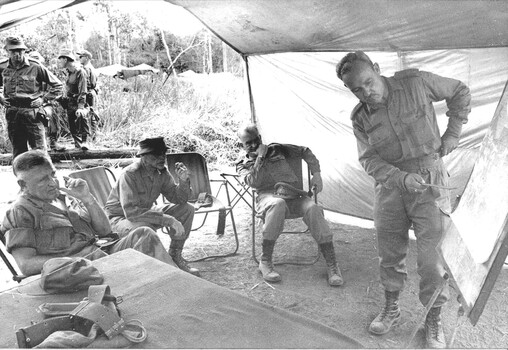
column 25, row 84
column 54, row 234
column 378, row 135
column 417, row 126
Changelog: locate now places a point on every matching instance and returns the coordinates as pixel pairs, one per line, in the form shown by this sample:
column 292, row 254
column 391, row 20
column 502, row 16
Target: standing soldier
column 75, row 100
column 50, row 114
column 23, row 96
column 91, row 96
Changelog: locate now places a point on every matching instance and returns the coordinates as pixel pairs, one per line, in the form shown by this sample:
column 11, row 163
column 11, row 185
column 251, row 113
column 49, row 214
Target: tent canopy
column 267, row 26
column 291, row 48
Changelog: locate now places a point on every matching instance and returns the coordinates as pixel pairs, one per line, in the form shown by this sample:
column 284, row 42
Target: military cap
column 85, row 53
column 154, row 145
column 14, row 43
column 67, row 53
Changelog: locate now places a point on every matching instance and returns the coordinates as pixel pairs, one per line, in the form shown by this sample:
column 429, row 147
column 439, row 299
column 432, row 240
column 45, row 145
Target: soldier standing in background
column 50, row 116
column 85, row 58
column 75, row 101
column 23, row 96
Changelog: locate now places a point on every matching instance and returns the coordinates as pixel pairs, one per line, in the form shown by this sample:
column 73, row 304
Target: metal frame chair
column 11, row 265
column 99, row 179
column 201, row 184
column 243, row 192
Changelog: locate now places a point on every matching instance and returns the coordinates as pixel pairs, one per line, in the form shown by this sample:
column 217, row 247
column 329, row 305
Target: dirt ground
column 304, row 290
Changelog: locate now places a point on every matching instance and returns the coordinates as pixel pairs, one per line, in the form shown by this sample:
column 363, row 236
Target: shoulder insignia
column 407, row 73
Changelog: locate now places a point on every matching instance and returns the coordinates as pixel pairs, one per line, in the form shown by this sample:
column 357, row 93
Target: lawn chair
column 297, row 164
column 201, row 197
column 11, row 265
column 99, row 179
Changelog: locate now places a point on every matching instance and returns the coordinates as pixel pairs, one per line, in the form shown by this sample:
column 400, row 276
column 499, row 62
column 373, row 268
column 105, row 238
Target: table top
column 177, row 309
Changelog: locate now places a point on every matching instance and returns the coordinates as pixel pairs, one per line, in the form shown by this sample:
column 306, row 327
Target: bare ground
column 304, row 289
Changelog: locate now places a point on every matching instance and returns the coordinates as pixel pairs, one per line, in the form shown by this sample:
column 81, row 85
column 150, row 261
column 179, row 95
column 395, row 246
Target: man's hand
column 317, row 182
column 37, row 102
column 178, row 227
column 181, row 171
column 448, row 144
column 413, row 183
column 262, row 149
column 77, row 188
column 81, row 113
column 5, row 102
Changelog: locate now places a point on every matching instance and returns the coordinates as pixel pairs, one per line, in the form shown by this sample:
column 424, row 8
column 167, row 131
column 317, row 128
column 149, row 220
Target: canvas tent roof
column 110, row 70
column 267, row 26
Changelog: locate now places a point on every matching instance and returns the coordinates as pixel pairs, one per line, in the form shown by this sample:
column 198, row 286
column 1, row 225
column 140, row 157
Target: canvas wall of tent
column 291, row 47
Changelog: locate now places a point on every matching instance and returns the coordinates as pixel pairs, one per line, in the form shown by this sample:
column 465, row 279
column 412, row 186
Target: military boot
column 434, row 333
column 266, row 264
column 175, row 252
column 54, row 145
column 389, row 316
column 332, row 269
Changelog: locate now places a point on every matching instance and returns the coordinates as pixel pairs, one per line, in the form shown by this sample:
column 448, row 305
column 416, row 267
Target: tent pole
column 253, row 118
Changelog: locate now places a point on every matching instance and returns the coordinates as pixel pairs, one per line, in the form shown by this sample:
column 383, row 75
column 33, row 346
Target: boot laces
column 390, row 310
column 433, row 323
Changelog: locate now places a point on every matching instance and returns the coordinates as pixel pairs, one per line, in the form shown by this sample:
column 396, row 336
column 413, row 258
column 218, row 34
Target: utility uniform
column 274, row 210
column 403, row 137
column 33, row 223
column 20, row 87
column 76, row 87
column 131, row 201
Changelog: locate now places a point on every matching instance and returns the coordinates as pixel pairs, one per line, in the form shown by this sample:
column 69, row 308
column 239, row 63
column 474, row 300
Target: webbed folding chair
column 11, row 265
column 99, row 179
column 201, row 197
column 297, row 165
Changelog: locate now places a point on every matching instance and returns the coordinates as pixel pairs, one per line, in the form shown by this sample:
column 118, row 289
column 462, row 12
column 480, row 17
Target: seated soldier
column 263, row 168
column 131, row 201
column 41, row 224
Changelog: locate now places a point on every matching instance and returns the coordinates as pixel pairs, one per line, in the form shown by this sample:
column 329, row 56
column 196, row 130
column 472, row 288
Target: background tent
column 291, row 49
column 110, row 70
column 142, row 68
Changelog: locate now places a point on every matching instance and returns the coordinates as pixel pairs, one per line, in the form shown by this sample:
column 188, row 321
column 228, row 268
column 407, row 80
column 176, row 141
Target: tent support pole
column 253, row 118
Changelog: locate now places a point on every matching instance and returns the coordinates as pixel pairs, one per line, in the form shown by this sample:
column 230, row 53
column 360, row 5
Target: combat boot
column 175, row 252
column 332, row 269
column 434, row 333
column 389, row 316
column 266, row 264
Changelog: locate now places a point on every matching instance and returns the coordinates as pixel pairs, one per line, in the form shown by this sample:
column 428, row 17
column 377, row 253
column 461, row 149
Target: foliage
column 201, row 113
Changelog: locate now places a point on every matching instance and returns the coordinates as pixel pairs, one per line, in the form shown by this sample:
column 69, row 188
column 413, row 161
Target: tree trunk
column 73, row 154
column 163, row 39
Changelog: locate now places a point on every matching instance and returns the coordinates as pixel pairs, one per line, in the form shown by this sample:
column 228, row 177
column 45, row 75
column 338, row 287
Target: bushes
column 199, row 113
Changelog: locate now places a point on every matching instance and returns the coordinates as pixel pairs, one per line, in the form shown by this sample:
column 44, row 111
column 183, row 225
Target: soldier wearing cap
column 52, row 120
column 85, row 58
column 75, row 101
column 266, row 169
column 131, row 202
column 22, row 93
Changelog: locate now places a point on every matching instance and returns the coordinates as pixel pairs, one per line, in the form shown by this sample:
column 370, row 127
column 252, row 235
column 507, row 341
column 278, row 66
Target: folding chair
column 201, row 189
column 11, row 265
column 296, row 165
column 99, row 179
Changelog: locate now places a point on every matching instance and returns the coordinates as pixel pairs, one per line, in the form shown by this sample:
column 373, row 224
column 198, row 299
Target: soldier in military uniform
column 52, row 121
column 23, row 95
column 75, row 101
column 91, row 97
column 400, row 146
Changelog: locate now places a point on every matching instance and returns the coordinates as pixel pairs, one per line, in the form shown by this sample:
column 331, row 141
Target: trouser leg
column 313, row 217
column 392, row 225
column 273, row 212
column 16, row 131
column 146, row 241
